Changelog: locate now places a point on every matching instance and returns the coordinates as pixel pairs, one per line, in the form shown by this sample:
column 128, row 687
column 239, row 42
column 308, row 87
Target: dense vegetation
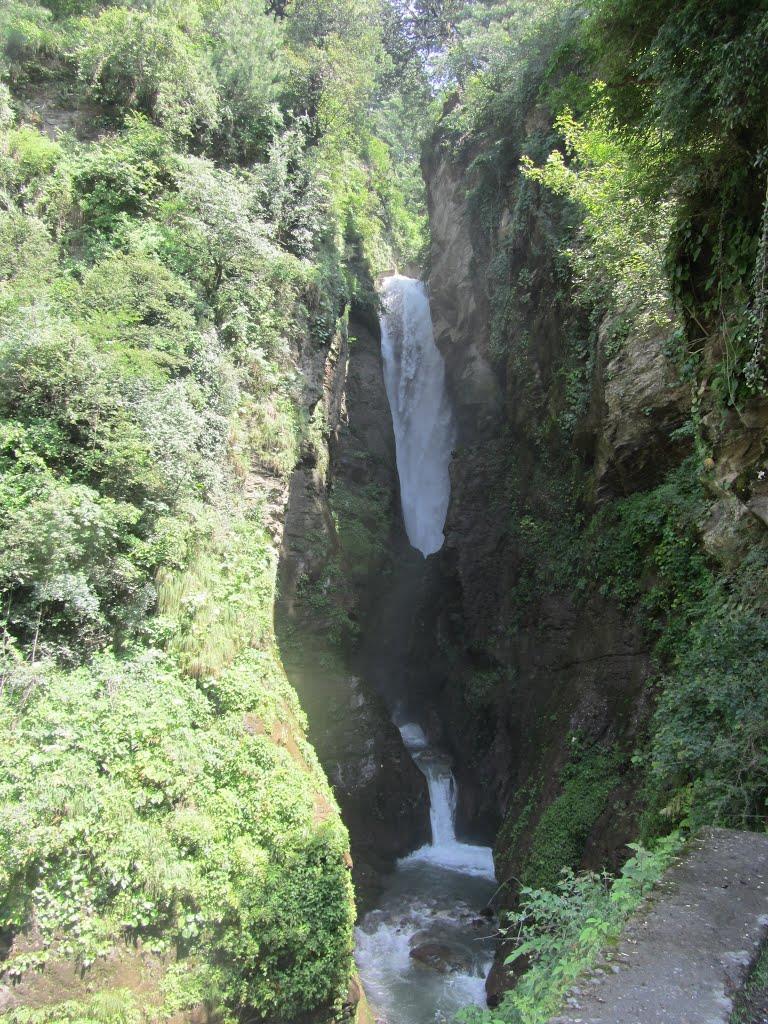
column 615, row 156
column 190, row 196
column 640, row 164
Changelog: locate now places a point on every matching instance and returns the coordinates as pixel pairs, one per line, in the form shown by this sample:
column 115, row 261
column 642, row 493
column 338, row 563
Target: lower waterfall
column 445, row 850
column 425, row 951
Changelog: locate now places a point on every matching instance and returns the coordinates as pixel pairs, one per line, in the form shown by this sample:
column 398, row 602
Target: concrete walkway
column 682, row 959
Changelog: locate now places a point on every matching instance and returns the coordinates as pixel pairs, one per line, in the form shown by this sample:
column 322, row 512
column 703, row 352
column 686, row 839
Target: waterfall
column 423, row 952
column 445, row 850
column 428, row 914
column 414, row 375
column 442, row 804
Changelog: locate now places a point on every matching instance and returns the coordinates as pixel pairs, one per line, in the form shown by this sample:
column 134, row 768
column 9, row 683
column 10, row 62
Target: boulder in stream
column 442, row 958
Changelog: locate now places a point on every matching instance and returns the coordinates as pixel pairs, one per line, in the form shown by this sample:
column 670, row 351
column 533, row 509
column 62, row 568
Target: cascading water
column 424, row 953
column 414, row 375
column 445, row 850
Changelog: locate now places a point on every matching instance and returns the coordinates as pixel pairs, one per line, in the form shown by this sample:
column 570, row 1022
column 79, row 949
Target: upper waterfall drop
column 414, row 376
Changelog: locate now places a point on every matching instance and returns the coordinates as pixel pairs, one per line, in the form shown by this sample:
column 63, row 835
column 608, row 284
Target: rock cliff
column 532, row 675
column 543, row 681
column 341, row 528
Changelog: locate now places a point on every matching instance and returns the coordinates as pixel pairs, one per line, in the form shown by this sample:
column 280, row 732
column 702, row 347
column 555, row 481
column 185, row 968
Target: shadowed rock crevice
column 342, row 537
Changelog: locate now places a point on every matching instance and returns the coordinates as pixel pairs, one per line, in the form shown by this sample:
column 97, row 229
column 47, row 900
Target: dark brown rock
column 562, row 664
column 382, row 794
column 638, row 403
column 441, row 957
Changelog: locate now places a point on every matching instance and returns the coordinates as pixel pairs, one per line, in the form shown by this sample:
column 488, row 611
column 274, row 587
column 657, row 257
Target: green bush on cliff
column 562, row 931
column 618, row 259
column 362, row 519
column 135, row 807
column 559, row 836
column 98, row 489
column 167, row 794
column 644, row 551
column 160, row 286
column 707, row 761
column 115, row 1007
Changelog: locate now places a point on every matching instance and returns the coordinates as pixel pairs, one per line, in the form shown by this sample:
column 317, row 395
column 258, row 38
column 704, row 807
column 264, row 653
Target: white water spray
column 445, row 850
column 414, row 375
column 427, row 913
column 431, row 901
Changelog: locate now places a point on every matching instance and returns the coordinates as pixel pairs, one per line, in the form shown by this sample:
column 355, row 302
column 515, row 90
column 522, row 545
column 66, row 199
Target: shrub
column 133, row 60
column 136, row 811
column 561, row 931
column 559, row 837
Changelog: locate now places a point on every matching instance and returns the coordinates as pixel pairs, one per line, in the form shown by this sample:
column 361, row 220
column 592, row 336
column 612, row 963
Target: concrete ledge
column 682, row 959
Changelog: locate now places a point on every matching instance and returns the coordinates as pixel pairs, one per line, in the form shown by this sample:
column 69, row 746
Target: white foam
column 455, row 856
column 422, row 418
column 413, row 737
column 427, row 901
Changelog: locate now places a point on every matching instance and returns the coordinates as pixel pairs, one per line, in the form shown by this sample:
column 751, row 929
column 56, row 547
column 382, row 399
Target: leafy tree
column 248, row 60
column 135, row 60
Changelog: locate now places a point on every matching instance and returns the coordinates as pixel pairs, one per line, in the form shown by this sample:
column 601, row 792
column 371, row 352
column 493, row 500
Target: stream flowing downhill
column 424, row 952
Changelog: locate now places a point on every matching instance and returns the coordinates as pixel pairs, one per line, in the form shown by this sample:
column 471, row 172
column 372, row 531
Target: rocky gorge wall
column 544, row 679
column 342, row 537
column 536, row 675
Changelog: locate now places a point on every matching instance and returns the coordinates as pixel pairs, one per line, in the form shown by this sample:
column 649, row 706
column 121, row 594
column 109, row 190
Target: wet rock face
column 637, row 404
column 364, row 445
column 458, row 303
column 524, row 664
column 382, row 794
column 521, row 681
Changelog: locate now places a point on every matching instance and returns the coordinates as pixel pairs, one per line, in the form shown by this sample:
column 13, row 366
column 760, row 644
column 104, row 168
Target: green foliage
column 113, row 1007
column 28, row 36
column 708, row 757
column 517, row 819
column 232, row 80
column 481, row 688
column 135, row 60
column 645, row 551
column 618, row 262
column 246, row 47
column 126, row 375
column 559, row 837
column 220, row 603
column 153, row 309
column 324, row 597
column 498, row 51
column 694, row 73
column 158, row 814
column 696, row 70
column 748, row 1000
column 562, row 931
column 363, row 520
column 708, row 753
